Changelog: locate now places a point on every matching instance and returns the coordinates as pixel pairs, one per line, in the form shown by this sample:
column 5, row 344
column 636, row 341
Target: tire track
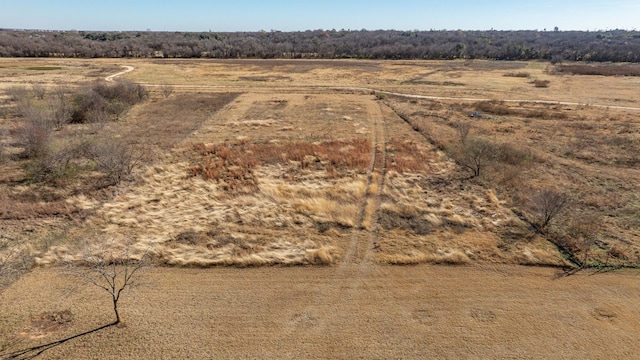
column 357, row 267
column 365, row 227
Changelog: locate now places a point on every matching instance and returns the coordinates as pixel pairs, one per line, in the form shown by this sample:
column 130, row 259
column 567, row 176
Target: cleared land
column 251, row 163
column 335, row 312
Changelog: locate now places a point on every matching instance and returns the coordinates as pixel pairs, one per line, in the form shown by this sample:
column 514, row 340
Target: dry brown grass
column 581, row 150
column 310, row 142
column 296, row 162
column 331, row 312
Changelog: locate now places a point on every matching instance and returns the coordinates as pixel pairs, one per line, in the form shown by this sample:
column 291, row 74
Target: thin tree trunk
column 115, row 310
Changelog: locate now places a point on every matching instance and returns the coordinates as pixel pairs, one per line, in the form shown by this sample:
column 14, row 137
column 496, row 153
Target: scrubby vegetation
column 544, row 189
column 42, row 113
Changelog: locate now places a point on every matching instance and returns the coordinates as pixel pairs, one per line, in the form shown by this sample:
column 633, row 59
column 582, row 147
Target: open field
column 348, row 168
column 340, row 312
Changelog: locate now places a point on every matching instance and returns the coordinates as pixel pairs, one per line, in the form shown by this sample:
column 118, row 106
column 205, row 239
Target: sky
column 286, row 15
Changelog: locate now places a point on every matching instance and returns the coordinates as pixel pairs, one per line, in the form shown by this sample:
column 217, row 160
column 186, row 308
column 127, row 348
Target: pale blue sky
column 253, row 15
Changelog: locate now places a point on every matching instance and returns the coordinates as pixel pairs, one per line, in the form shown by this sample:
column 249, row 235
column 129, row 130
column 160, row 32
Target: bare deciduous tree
column 462, row 128
column 474, row 154
column 111, row 266
column 548, row 204
column 585, row 230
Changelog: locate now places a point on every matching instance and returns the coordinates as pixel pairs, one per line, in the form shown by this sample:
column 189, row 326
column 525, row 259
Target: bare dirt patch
column 47, row 324
column 326, row 312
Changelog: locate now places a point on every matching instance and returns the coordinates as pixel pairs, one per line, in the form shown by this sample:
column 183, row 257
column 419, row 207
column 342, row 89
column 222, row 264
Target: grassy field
column 346, row 169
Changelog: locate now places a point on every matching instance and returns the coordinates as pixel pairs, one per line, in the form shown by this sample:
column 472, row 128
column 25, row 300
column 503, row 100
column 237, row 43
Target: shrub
column 18, row 93
column 4, row 156
column 474, row 154
column 512, row 155
column 166, row 89
column 113, row 157
column 106, row 101
column 33, row 138
column 518, row 74
column 38, row 91
column 85, row 102
column 124, row 91
column 54, row 165
column 541, row 83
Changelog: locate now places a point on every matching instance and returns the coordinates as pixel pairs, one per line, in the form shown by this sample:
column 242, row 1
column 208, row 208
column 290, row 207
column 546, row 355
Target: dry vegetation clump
column 15, row 259
column 503, row 109
column 406, row 156
column 521, row 74
column 541, row 83
column 193, row 222
column 232, row 165
column 47, row 323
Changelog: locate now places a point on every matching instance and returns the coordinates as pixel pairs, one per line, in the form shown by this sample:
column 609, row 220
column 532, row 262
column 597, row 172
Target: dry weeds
column 310, row 144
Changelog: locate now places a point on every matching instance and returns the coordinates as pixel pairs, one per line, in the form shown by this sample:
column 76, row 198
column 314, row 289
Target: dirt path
column 365, row 224
column 128, row 69
column 369, row 90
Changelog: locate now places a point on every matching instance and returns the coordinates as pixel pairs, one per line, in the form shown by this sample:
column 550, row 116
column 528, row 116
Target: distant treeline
column 556, row 46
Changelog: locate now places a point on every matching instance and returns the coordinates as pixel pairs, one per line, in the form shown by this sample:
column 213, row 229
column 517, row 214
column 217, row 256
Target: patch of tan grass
column 280, row 252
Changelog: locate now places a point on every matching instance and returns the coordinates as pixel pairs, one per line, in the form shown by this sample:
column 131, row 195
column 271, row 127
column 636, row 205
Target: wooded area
column 555, row 46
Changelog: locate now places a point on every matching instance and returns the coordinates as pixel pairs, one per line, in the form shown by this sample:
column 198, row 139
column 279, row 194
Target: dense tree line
column 614, row 45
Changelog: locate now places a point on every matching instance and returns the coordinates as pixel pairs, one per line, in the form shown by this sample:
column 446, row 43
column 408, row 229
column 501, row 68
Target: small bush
column 166, row 89
column 38, row 91
column 114, row 158
column 33, row 138
column 518, row 74
column 18, row 93
column 541, row 83
column 86, row 102
column 512, row 155
column 124, row 91
column 4, row 156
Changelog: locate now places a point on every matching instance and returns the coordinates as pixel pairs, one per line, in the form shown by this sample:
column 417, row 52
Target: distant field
column 346, row 169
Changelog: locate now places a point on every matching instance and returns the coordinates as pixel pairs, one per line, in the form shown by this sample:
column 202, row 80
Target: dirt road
column 370, row 90
column 128, row 69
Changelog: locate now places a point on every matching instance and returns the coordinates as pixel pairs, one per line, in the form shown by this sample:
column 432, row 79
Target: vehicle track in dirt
column 357, row 266
column 363, row 236
column 128, row 69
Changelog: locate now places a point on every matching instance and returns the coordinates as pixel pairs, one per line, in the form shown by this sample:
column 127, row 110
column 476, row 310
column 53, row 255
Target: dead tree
column 548, row 204
column 111, row 266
